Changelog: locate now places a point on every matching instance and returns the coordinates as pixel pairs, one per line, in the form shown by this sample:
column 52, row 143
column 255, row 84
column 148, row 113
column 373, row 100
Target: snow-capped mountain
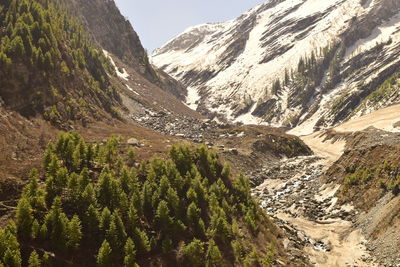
column 305, row 63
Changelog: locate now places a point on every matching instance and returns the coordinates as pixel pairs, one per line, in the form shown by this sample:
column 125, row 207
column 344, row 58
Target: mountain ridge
column 235, row 70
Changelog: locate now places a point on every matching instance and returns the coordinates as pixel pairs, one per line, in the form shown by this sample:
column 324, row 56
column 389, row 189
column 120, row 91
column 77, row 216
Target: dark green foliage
column 193, row 253
column 9, row 246
column 57, row 225
column 99, row 204
column 12, row 260
column 34, row 260
column 385, row 176
column 104, row 255
column 74, row 232
column 130, row 253
column 213, row 255
column 24, row 218
column 49, row 49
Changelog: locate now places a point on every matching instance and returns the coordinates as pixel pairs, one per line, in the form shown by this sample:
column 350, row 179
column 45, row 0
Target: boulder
column 133, row 142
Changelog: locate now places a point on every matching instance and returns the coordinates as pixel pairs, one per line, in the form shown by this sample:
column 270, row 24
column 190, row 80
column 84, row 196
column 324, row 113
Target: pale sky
column 158, row 21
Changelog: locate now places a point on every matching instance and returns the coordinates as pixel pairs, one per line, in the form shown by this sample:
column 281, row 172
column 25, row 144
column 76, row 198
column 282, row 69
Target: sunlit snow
column 192, row 98
column 124, row 75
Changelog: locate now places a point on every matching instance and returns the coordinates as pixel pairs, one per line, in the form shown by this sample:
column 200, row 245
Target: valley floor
column 297, row 198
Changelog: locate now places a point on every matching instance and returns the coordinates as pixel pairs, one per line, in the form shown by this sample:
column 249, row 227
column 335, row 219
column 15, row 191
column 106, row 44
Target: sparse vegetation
column 386, row 176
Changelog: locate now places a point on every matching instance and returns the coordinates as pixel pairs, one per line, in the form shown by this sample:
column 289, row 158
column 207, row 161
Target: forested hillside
column 95, row 207
column 49, row 66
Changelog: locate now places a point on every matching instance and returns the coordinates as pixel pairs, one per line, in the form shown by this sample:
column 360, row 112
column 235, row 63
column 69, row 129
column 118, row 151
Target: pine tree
column 43, row 234
column 116, row 234
column 141, row 240
column 213, row 255
column 17, row 47
column 193, row 253
column 24, row 218
column 74, row 189
column 125, row 180
column 12, row 258
column 5, row 63
column 173, row 201
column 104, row 255
column 133, row 218
column 162, row 215
column 88, row 197
column 48, row 62
column 193, row 213
column 105, row 189
column 46, row 259
column 77, row 159
column 57, row 223
column 34, row 260
column 91, row 222
column 35, row 229
column 130, row 253
column 85, row 179
column 105, row 219
column 287, row 77
column 191, row 195
column 74, row 232
column 131, row 157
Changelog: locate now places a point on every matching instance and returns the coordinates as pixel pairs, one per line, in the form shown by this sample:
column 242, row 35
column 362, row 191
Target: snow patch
column 124, row 75
column 127, row 86
column 192, row 98
column 383, row 33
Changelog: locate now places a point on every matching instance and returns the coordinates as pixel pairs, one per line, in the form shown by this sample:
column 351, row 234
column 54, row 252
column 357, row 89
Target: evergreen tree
column 173, row 201
column 34, row 260
column 88, row 197
column 287, row 77
column 133, row 218
column 17, row 47
column 105, row 219
column 131, row 157
column 35, row 229
column 24, row 218
column 193, row 253
column 74, row 232
column 91, row 222
column 162, row 215
column 43, row 234
column 141, row 240
column 193, row 213
column 104, row 255
column 213, row 255
column 116, row 234
column 105, row 190
column 130, row 253
column 57, row 224
column 12, row 258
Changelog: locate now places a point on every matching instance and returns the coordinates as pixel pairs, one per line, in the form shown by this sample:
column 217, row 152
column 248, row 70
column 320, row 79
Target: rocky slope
column 290, row 62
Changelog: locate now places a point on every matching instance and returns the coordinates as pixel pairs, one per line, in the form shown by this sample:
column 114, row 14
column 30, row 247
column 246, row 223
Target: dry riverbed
column 306, row 208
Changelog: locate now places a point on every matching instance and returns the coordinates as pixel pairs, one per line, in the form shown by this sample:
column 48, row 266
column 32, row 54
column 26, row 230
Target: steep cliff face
column 106, row 23
column 115, row 34
column 289, row 62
